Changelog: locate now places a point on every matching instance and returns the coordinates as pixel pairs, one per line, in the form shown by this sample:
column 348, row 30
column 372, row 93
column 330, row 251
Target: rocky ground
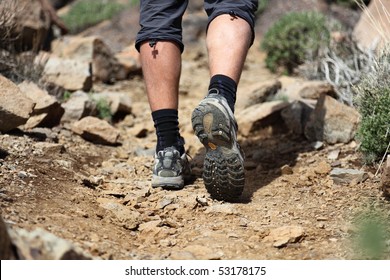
column 56, row 186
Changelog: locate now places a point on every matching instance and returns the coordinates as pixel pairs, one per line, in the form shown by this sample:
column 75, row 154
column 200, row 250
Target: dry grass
column 379, row 22
column 8, row 13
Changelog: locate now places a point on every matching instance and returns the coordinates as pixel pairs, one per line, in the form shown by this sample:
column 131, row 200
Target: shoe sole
column 168, row 183
column 223, row 169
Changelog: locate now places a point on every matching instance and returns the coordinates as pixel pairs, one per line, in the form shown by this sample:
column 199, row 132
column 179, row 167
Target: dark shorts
column 162, row 20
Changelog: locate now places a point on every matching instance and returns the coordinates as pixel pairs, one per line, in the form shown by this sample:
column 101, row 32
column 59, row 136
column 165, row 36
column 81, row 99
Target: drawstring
column 152, row 43
column 233, row 14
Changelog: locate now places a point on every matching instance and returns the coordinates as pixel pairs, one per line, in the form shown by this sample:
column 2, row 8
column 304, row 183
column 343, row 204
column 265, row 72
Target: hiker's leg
column 160, row 44
column 230, row 34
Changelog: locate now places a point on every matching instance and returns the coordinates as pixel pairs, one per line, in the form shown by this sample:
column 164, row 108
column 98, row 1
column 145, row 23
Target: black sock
column 226, row 87
column 166, row 122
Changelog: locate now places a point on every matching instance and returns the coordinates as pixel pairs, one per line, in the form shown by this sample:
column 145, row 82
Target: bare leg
column 161, row 67
column 228, row 41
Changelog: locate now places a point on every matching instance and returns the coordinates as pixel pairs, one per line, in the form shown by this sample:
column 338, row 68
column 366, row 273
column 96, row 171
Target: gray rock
column 96, row 130
column 15, row 106
column 78, row 106
column 332, row 122
column 47, row 111
column 297, row 115
column 42, row 245
column 346, row 176
column 69, row 74
column 259, row 115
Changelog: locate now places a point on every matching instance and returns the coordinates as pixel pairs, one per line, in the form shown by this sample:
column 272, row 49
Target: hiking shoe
column 215, row 126
column 170, row 169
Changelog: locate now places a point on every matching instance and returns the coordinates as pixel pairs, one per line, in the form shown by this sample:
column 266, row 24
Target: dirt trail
column 100, row 198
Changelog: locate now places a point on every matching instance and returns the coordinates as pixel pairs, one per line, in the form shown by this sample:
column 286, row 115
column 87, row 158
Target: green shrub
column 294, row 37
column 371, row 229
column 373, row 102
column 103, row 108
column 86, row 13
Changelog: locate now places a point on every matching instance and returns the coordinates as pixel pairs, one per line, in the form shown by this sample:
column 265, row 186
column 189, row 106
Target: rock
column 309, row 90
column 42, row 245
column 96, row 130
column 333, row 155
column 322, row 168
column 150, row 227
column 6, row 249
column 385, row 181
column 258, row 93
column 202, row 201
column 128, row 218
column 119, row 102
column 317, row 145
column 371, row 32
column 286, row 170
column 78, row 106
column 29, row 24
column 228, row 209
column 15, row 106
column 203, row 252
column 280, row 237
column 180, row 255
column 91, row 50
column 332, row 122
column 296, row 115
column 259, row 115
column 130, row 60
column 47, row 111
column 347, row 176
column 165, row 201
column 69, row 74
column 49, row 148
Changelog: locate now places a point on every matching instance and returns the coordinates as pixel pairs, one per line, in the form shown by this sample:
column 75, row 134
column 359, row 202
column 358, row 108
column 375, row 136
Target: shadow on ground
column 266, row 152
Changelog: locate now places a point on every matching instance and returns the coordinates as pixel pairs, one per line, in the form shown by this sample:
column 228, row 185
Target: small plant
column 373, row 102
column 86, row 13
column 372, row 230
column 294, row 37
column 103, row 108
column 66, row 96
